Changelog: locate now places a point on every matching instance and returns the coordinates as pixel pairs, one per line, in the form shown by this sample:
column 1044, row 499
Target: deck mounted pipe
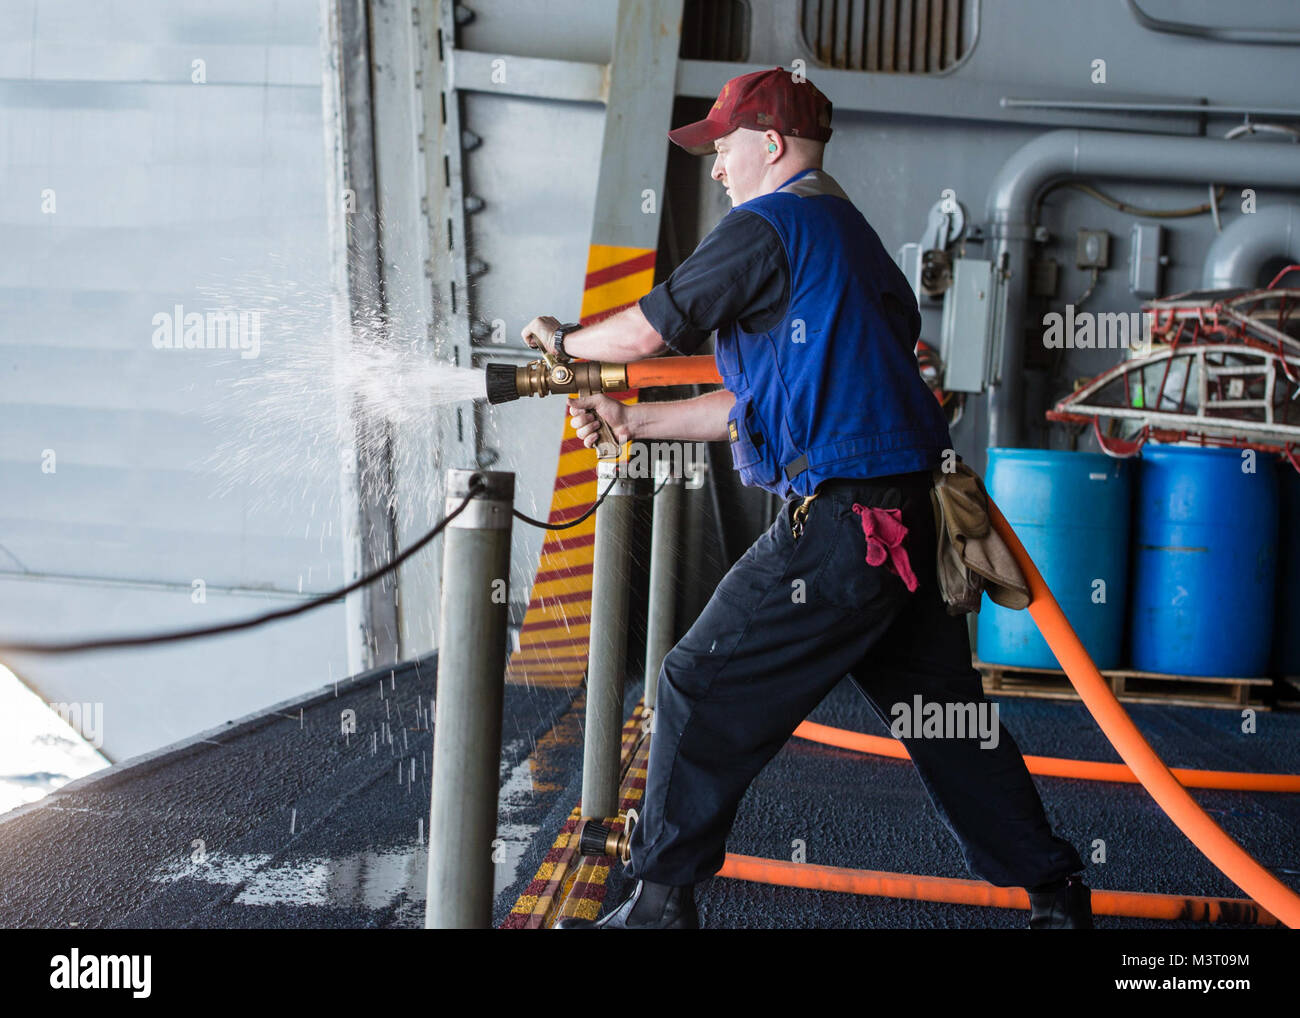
column 611, row 565
column 664, row 544
column 467, row 720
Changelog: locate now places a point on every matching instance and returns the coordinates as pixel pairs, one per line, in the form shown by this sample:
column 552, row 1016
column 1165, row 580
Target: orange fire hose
column 1182, row 809
column 1060, row 767
column 1118, row 727
column 672, row 371
column 976, row 892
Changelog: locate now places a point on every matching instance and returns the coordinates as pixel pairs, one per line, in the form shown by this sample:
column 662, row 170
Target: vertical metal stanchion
column 607, row 660
column 664, row 551
column 467, row 727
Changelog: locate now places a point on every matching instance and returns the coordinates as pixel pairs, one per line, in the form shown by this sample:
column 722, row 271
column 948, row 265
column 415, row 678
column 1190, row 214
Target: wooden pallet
column 1129, row 686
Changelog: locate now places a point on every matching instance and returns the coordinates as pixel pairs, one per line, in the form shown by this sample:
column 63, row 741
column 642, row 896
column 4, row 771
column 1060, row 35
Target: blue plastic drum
column 1071, row 512
column 1204, row 562
column 1286, row 623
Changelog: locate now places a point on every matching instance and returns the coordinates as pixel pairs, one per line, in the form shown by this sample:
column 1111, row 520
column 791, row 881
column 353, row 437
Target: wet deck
column 280, row 820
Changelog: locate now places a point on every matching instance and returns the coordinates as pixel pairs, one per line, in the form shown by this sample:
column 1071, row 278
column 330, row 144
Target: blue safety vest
column 834, row 389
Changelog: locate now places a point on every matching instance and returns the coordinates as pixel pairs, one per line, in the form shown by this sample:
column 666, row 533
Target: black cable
column 573, row 523
column 109, row 643
column 177, row 635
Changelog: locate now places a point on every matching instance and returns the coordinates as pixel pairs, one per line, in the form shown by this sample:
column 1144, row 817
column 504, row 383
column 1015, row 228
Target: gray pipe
column 1241, row 251
column 467, row 726
column 602, row 743
column 664, row 549
column 1073, row 153
column 1215, row 33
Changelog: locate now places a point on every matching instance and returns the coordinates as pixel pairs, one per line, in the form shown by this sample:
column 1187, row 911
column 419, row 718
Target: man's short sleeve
column 739, row 272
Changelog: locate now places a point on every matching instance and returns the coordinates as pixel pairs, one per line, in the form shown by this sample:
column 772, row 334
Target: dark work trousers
column 786, row 624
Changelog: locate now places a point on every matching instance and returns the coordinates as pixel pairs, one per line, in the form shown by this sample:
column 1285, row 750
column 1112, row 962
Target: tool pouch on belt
column 972, row 558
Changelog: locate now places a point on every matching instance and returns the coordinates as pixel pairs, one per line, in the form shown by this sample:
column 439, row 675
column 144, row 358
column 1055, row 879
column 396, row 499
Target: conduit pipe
column 1060, row 767
column 1074, row 153
column 1240, row 253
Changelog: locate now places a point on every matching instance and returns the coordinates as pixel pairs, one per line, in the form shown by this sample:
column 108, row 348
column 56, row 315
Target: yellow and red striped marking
column 566, row 884
column 556, row 632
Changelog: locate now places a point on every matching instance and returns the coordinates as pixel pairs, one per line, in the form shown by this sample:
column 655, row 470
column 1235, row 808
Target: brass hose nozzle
column 597, row 839
column 507, row 382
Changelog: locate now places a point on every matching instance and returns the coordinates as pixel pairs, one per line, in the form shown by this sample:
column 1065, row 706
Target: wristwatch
column 557, row 339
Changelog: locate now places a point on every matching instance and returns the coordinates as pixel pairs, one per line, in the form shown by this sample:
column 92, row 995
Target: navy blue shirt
column 739, row 273
column 825, row 378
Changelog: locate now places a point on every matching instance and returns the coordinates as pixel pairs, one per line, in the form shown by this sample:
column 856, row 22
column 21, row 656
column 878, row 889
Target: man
column 823, row 404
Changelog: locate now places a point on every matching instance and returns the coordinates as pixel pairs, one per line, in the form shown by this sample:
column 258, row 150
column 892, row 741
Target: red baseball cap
column 762, row 100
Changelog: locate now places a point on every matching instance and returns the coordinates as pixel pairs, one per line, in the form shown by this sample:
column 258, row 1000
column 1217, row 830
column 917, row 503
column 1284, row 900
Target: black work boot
column 1065, row 904
column 646, row 906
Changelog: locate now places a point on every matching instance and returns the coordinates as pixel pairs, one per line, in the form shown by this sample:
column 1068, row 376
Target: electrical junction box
column 1146, row 260
column 971, row 318
column 1093, row 251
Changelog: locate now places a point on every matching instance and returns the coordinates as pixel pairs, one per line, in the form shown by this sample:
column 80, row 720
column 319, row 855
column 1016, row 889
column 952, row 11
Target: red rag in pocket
column 884, row 531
